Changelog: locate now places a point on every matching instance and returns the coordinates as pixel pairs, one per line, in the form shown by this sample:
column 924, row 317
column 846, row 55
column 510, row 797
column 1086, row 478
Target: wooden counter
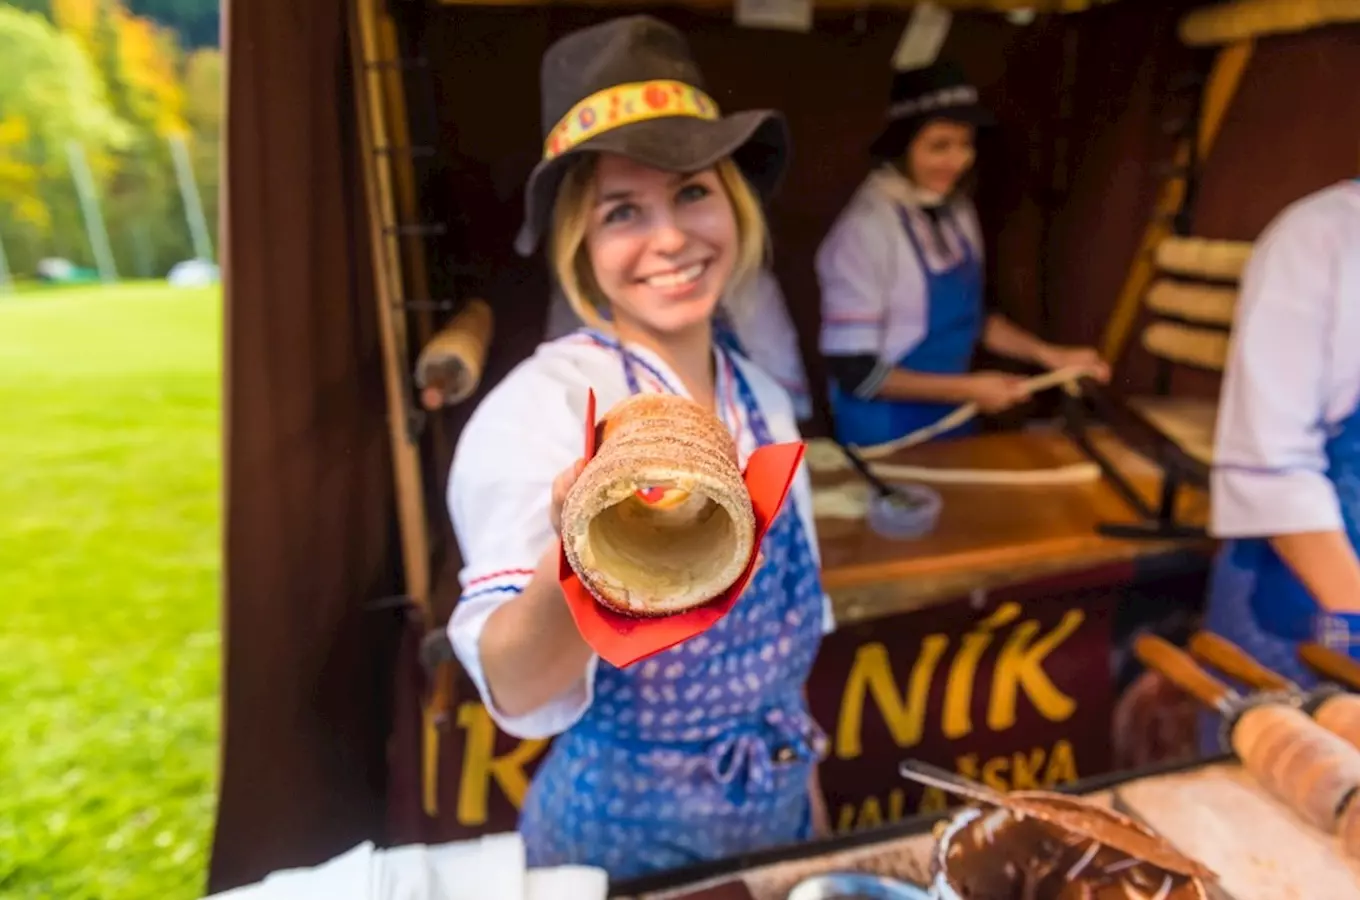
column 990, row 536
column 1214, row 812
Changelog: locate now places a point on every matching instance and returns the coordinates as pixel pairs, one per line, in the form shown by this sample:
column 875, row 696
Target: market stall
column 372, row 192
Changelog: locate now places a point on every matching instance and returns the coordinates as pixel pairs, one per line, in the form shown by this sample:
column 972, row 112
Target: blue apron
column 1257, row 602
column 705, row 750
column 954, row 321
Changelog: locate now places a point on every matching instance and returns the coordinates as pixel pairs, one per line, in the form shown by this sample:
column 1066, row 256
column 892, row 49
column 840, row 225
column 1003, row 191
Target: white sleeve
column 1270, row 463
column 499, row 493
column 766, row 330
column 855, row 272
column 779, row 415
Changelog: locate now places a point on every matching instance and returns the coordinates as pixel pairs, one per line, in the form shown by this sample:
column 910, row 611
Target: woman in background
column 901, row 276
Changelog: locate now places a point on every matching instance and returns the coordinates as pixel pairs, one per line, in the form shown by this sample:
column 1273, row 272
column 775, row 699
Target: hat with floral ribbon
column 629, row 86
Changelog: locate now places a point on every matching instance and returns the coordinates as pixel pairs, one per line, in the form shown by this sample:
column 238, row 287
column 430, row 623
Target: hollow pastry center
column 660, row 546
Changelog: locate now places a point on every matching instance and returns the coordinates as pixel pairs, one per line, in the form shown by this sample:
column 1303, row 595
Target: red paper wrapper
column 623, row 640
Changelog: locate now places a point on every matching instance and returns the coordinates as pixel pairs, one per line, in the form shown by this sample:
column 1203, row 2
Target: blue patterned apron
column 954, row 322
column 1257, row 602
column 704, row 750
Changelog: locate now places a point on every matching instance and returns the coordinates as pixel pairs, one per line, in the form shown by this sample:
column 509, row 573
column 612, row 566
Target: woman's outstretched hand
column 561, row 485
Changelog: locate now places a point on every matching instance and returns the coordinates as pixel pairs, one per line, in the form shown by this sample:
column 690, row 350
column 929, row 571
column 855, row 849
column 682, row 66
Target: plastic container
column 911, row 511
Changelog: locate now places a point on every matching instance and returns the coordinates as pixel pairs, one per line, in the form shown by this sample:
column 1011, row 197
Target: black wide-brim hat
column 938, row 91
column 629, row 86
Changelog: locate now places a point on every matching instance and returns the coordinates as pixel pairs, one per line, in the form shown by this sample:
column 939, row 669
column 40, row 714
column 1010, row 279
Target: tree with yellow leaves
column 50, row 94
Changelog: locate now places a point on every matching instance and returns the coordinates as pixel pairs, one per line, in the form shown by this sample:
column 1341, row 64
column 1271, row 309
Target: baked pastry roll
column 660, row 520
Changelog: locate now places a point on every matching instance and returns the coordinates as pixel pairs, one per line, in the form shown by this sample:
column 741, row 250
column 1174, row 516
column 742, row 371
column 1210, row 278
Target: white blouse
column 1293, row 372
column 760, row 318
column 526, row 431
column 873, row 285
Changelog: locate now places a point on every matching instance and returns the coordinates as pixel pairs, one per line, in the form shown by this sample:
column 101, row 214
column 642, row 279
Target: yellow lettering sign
column 1016, row 771
column 994, row 773
column 1062, row 765
column 871, row 674
column 481, row 765
column 1025, row 769
column 1021, row 665
column 958, row 691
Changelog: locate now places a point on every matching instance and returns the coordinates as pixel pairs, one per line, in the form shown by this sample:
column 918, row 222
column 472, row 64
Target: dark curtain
column 309, row 532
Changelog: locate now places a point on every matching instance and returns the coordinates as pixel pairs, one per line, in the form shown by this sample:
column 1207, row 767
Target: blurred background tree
column 116, row 79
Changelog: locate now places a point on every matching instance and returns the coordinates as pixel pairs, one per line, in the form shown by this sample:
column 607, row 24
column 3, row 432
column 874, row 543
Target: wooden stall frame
column 1229, row 66
column 373, row 48
column 1240, row 20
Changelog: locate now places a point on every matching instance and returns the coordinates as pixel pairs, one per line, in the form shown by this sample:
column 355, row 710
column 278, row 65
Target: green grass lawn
column 109, row 600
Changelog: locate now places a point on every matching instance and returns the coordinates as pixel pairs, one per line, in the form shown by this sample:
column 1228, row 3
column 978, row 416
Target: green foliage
column 120, row 85
column 49, row 84
column 38, row 6
column 109, row 566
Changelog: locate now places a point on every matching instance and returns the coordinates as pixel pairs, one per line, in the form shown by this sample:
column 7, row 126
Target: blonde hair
column 570, row 259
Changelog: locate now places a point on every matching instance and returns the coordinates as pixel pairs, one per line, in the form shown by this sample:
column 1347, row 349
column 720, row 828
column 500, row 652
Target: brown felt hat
column 629, row 86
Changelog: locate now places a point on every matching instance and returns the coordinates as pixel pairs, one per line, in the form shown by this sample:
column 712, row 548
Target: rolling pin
column 449, row 367
column 1345, row 720
column 1308, row 768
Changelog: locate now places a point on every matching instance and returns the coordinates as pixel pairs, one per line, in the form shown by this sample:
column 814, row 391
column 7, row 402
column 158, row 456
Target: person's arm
column 1004, row 338
column 531, row 649
column 1326, row 564
column 511, row 628
column 1270, row 462
column 991, row 391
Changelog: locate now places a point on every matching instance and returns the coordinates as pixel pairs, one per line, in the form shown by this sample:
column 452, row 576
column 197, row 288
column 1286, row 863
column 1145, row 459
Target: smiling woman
column 901, row 277
column 705, row 232
column 650, row 201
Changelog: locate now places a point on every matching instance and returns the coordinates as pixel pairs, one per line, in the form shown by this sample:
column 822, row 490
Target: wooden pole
column 389, row 293
column 1229, row 65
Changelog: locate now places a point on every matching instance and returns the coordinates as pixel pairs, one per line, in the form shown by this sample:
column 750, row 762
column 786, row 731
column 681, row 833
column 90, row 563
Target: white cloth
column 1293, row 371
column 488, row 868
column 873, row 285
column 526, row 431
column 760, row 317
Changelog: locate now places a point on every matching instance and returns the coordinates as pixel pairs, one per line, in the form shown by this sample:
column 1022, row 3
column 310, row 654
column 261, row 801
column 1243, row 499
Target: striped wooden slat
column 1202, row 303
column 1187, row 345
column 1202, row 258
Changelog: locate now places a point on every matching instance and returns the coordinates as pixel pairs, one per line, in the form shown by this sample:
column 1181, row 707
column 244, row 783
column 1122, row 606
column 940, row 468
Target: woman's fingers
column 561, row 486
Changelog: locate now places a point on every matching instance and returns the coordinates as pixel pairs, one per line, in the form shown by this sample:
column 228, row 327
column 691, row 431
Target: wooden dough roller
column 1330, row 705
column 1308, row 768
column 1345, row 720
column 449, row 367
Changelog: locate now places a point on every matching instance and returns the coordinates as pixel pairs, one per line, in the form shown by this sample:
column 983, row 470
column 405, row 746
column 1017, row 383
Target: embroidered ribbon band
column 963, row 95
column 624, row 104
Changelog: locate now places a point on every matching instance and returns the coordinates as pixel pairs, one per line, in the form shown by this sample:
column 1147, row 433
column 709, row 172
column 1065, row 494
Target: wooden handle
column 450, row 365
column 1331, row 664
column 1181, row 669
column 1235, row 662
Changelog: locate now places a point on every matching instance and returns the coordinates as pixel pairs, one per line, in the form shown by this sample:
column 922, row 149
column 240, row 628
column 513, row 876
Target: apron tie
column 745, row 758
